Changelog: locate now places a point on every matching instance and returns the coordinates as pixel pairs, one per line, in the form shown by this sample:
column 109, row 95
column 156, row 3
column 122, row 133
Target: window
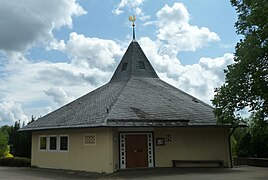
column 141, row 65
column 42, row 142
column 64, row 143
column 124, row 66
column 53, row 143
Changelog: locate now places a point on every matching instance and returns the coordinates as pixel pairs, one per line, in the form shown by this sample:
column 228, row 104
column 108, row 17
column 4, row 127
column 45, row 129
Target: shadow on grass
column 15, row 161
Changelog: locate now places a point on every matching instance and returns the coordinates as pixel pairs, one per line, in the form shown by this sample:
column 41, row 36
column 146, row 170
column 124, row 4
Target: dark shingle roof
column 135, row 96
column 132, row 59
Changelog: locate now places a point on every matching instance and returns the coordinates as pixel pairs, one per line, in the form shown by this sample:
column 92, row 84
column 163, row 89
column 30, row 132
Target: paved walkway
column 237, row 173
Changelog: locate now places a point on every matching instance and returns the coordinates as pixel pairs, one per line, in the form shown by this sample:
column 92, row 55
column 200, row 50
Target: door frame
column 122, row 148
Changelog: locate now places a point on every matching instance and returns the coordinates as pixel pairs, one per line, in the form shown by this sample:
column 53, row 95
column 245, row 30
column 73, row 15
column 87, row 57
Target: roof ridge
column 114, row 102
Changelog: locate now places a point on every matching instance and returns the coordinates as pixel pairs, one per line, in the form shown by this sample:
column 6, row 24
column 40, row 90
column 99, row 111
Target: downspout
column 229, row 142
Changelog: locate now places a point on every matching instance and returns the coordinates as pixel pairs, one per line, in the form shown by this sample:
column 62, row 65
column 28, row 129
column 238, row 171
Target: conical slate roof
column 134, row 97
column 133, row 64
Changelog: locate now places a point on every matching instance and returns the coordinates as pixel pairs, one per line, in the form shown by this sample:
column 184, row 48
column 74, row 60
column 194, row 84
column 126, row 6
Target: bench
column 219, row 162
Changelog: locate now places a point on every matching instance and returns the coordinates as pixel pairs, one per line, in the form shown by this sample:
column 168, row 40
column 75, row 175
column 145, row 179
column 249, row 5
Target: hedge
column 15, row 161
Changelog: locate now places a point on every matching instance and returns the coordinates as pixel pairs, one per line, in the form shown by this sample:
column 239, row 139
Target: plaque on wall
column 160, row 141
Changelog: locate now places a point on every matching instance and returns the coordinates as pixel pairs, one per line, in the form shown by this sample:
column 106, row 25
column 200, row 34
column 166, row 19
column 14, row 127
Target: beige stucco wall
column 93, row 158
column 192, row 144
column 187, row 144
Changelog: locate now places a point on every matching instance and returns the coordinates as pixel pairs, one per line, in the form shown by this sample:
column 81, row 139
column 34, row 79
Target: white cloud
column 25, row 81
column 174, row 27
column 12, row 111
column 175, row 14
column 92, row 60
column 198, row 79
column 58, row 95
column 93, row 52
column 30, row 84
column 57, row 45
column 175, row 34
column 217, row 65
column 133, row 6
column 201, row 79
column 91, row 64
column 28, row 22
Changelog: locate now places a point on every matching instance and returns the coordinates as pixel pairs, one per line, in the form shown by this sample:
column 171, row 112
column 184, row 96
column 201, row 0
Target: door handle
column 138, row 150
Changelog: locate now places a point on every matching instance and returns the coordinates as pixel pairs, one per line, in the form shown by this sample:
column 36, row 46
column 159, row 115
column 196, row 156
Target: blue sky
column 54, row 51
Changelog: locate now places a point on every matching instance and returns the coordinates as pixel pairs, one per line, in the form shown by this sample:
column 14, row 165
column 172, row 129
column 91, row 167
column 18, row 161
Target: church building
column 136, row 120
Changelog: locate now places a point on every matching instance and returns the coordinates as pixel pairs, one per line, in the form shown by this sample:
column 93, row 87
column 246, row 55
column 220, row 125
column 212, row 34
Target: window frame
column 68, row 143
column 39, row 142
column 56, row 142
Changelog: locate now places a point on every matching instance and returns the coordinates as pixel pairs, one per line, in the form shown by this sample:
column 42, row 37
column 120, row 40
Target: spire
column 134, row 64
column 133, row 19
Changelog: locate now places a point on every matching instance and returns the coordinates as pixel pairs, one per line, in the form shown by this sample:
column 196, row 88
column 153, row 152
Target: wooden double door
column 136, row 150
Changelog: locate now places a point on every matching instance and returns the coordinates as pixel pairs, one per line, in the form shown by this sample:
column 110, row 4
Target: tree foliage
column 19, row 142
column 3, row 144
column 252, row 141
column 246, row 82
column 4, row 136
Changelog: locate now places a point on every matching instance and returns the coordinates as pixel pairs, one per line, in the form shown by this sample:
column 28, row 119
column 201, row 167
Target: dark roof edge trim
column 147, row 120
column 106, row 126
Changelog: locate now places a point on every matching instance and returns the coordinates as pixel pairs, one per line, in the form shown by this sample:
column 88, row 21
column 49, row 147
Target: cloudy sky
column 54, row 51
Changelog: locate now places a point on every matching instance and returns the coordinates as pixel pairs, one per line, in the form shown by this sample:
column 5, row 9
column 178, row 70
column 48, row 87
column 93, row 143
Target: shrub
column 8, row 155
column 15, row 162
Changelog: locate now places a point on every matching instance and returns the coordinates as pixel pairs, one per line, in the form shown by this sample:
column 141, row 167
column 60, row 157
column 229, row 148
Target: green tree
column 20, row 142
column 259, row 135
column 246, row 81
column 6, row 130
column 3, row 144
column 244, row 146
column 252, row 141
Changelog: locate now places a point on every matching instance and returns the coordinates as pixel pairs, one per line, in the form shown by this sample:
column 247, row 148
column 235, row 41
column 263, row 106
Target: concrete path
column 237, row 173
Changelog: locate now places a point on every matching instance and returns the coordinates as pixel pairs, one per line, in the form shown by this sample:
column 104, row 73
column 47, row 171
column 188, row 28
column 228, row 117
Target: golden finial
column 133, row 19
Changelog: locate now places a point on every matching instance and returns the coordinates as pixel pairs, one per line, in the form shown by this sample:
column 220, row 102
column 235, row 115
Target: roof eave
column 126, row 126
